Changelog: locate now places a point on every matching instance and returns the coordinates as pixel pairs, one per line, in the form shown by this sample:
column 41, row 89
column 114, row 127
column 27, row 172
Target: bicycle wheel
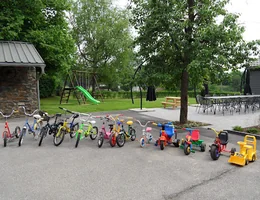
column 73, row 130
column 59, row 137
column 94, row 133
column 37, row 130
column 17, row 131
column 132, row 134
column 77, row 140
column 112, row 139
column 100, row 139
column 5, row 138
column 43, row 134
column 21, row 137
column 120, row 139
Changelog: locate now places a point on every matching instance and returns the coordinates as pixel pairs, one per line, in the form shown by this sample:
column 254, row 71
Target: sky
column 248, row 10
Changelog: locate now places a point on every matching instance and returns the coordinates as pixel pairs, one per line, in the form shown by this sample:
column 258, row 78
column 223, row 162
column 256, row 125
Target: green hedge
column 162, row 94
column 47, row 86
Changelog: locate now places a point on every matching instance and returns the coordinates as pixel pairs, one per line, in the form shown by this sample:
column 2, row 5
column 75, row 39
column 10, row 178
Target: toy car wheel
column 142, row 142
column 187, row 149
column 203, row 147
column 253, row 158
column 233, row 150
column 176, row 143
column 246, row 162
column 214, row 153
column 162, row 145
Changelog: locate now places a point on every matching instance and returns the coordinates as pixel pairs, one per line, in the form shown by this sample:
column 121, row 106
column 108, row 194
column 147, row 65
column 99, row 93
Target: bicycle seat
column 130, row 123
column 92, row 121
column 110, row 125
column 195, row 135
column 148, row 129
column 223, row 137
column 58, row 115
column 75, row 116
column 37, row 116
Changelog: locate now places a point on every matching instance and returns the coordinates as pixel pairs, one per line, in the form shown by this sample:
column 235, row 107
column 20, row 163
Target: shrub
column 47, row 86
column 252, row 130
column 238, row 128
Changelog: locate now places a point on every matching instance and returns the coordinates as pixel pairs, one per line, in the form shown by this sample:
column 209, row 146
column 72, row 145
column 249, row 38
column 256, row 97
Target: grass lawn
column 51, row 105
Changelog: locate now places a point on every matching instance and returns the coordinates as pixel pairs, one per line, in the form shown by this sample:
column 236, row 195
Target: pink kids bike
column 113, row 134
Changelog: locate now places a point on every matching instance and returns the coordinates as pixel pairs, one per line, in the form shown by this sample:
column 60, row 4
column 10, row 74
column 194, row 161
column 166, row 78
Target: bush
column 252, row 130
column 238, row 128
column 47, row 86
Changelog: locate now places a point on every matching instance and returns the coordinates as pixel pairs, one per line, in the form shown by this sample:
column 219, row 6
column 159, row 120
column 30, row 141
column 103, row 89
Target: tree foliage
column 43, row 23
column 193, row 40
column 103, row 39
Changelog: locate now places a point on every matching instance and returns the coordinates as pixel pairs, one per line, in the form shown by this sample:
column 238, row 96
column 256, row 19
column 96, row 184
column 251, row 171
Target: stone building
column 20, row 69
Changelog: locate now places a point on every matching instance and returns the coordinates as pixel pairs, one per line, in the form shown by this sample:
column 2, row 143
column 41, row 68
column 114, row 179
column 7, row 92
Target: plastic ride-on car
column 192, row 140
column 219, row 144
column 166, row 134
column 247, row 151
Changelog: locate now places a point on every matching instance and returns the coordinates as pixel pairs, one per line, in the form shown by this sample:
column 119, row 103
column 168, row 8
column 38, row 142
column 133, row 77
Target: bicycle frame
column 85, row 127
column 6, row 126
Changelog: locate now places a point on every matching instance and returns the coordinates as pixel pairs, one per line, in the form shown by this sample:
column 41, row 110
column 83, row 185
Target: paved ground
column 130, row 172
column 217, row 121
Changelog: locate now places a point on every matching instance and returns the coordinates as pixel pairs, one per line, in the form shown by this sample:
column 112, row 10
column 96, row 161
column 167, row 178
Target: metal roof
column 22, row 54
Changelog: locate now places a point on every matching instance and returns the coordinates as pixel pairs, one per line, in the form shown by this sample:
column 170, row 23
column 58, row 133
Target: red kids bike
column 7, row 135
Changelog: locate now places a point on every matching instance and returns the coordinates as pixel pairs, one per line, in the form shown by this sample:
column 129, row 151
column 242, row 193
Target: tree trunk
column 93, row 85
column 184, row 97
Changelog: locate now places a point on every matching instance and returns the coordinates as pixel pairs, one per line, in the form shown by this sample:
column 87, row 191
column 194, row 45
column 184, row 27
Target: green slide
column 87, row 95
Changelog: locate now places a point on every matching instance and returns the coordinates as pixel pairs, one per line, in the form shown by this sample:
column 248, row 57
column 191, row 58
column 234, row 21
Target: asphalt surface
column 131, row 172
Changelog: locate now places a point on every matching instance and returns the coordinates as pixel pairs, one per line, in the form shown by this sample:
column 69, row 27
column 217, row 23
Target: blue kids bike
column 34, row 129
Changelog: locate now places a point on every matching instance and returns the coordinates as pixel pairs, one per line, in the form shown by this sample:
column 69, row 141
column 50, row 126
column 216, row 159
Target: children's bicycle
column 130, row 133
column 65, row 128
column 52, row 129
column 112, row 134
column 34, row 129
column 147, row 137
column 7, row 135
column 86, row 128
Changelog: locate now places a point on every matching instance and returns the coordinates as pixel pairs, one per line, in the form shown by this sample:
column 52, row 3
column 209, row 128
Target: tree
column 196, row 40
column 103, row 38
column 43, row 23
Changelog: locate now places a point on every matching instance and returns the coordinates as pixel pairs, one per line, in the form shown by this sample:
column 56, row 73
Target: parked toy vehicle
column 7, row 135
column 192, row 140
column 52, row 129
column 130, row 133
column 219, row 144
column 33, row 129
column 147, row 137
column 166, row 134
column 247, row 152
column 112, row 134
column 86, row 128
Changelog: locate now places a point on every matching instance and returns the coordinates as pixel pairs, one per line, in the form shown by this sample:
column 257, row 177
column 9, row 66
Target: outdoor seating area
column 172, row 101
column 228, row 104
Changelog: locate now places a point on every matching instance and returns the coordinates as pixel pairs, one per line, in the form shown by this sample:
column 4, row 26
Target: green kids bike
column 86, row 128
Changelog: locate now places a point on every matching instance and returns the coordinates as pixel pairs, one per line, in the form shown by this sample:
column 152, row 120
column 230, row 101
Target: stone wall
column 18, row 86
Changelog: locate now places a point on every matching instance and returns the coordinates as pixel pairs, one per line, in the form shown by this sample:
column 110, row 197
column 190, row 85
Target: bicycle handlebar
column 66, row 110
column 27, row 114
column 214, row 130
column 145, row 123
column 7, row 116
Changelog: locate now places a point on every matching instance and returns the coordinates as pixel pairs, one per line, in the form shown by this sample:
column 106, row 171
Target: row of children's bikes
column 116, row 134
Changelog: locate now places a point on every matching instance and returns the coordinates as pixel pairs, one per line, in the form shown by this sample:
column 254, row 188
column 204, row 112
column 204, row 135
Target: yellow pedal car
column 247, row 152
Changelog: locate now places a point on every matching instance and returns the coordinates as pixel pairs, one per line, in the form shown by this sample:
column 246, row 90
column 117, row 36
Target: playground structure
column 78, row 83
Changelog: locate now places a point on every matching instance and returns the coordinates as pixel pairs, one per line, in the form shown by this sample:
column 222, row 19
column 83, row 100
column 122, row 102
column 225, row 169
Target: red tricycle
column 166, row 134
column 220, row 144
